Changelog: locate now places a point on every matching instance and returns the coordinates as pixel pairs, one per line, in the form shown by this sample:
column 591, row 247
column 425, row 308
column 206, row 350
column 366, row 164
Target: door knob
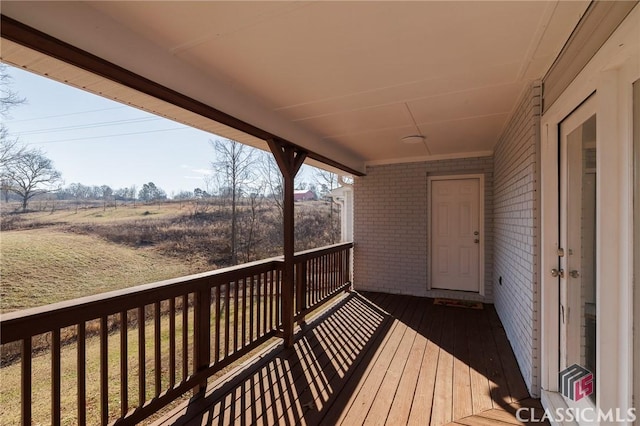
column 557, row 273
column 477, row 241
column 574, row 274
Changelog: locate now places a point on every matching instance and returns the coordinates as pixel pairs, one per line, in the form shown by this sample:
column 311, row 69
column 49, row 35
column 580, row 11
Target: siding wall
column 516, row 228
column 391, row 225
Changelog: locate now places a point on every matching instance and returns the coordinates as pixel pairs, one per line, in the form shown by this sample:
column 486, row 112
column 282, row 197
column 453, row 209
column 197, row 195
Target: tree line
column 240, row 176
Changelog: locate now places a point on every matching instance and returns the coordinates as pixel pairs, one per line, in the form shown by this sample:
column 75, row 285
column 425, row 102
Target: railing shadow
column 301, row 384
column 317, row 380
column 473, row 349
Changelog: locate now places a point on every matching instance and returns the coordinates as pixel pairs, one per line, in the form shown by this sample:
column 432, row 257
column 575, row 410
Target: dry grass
column 47, row 266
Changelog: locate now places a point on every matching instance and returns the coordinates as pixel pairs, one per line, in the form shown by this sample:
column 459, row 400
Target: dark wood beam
column 22, row 34
column 289, row 159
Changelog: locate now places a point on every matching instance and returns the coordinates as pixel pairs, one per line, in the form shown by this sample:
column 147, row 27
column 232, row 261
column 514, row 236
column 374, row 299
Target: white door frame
column 609, row 74
column 480, row 178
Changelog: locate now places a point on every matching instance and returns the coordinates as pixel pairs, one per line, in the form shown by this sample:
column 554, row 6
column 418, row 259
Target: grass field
column 50, row 256
column 46, row 266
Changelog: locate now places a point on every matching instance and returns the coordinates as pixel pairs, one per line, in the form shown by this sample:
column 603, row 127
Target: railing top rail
column 307, row 254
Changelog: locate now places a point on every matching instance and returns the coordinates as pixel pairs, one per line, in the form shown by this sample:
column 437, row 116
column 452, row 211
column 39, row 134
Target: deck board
column 401, row 405
column 375, row 359
column 423, row 399
column 462, row 391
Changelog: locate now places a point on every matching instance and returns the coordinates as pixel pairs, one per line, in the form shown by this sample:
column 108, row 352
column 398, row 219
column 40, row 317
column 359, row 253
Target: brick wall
column 391, row 224
column 516, row 228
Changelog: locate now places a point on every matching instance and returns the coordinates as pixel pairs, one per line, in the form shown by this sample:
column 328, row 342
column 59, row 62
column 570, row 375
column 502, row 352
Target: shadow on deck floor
column 375, row 359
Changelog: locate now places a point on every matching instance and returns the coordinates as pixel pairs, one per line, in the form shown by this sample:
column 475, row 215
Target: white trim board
column 609, row 74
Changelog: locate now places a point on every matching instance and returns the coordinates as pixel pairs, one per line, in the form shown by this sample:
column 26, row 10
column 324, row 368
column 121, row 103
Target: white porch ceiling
column 345, row 79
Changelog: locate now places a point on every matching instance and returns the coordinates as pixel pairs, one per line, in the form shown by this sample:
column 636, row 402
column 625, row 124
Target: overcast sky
column 96, row 141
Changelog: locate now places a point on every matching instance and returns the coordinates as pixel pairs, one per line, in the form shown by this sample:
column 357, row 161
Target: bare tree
column 10, row 148
column 133, row 192
column 79, row 192
column 326, row 182
column 32, row 174
column 273, row 179
column 5, row 187
column 236, row 164
column 251, row 223
column 8, row 98
column 106, row 192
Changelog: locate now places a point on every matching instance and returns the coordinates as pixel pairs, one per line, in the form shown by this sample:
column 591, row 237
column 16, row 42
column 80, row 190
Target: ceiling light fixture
column 413, row 139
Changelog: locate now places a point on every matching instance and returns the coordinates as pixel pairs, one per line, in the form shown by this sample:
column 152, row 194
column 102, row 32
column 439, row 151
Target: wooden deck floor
column 376, row 359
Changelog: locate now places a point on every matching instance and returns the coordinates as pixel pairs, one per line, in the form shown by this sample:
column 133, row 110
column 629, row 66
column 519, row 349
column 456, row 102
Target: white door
column 577, row 274
column 455, row 234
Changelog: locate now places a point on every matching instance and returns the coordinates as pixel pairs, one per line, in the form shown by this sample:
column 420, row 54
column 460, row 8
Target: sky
column 96, row 141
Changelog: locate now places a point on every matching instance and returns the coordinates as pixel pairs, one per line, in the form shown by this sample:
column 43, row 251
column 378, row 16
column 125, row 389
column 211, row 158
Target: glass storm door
column 577, row 276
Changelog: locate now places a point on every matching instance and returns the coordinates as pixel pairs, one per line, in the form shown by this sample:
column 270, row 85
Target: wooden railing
column 320, row 274
column 129, row 353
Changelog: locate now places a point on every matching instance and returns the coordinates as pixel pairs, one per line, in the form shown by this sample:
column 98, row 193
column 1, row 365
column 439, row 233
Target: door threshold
column 554, row 403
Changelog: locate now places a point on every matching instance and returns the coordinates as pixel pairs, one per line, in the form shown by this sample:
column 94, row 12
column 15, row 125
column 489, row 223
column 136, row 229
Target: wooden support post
column 289, row 159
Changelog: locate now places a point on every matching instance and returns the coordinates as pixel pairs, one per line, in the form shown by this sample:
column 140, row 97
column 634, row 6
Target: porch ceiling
column 345, row 79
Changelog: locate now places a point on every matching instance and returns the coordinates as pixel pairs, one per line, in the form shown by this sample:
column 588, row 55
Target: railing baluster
column 263, row 301
column 185, row 336
column 325, row 283
column 271, row 300
column 172, row 342
column 26, row 381
column 253, row 305
column 316, row 280
column 226, row 319
column 333, row 272
column 82, row 374
column 244, row 312
column 341, row 271
column 276, row 295
column 279, row 297
column 142, row 361
column 301, row 286
column 257, row 302
column 104, row 370
column 216, row 356
column 236, row 312
column 124, row 364
column 55, row 377
column 156, row 345
column 321, row 278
